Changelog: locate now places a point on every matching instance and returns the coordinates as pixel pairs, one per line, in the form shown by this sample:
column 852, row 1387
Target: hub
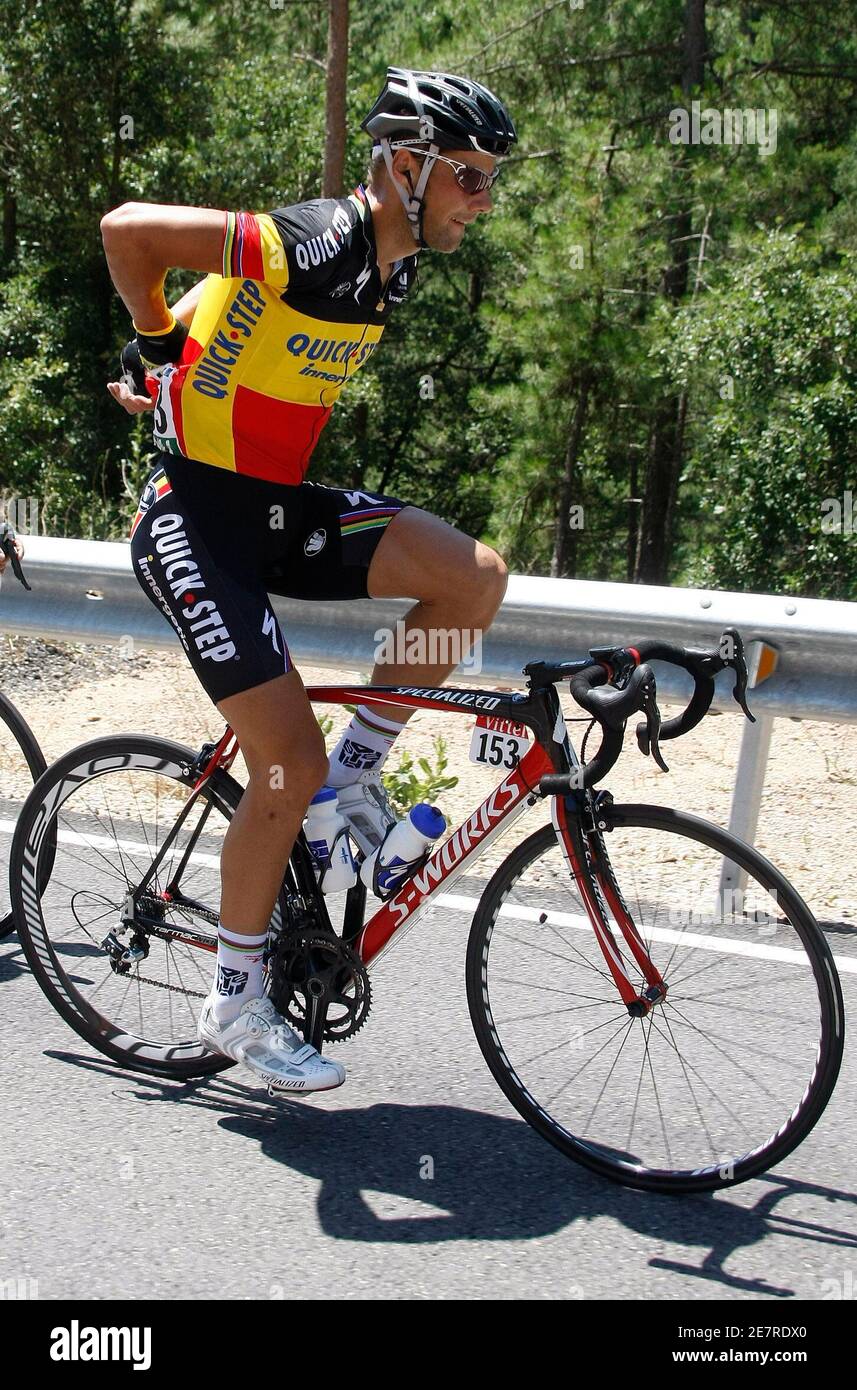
column 645, row 1002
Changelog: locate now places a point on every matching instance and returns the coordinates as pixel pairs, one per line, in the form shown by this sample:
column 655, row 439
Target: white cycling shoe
column 261, row 1039
column 367, row 810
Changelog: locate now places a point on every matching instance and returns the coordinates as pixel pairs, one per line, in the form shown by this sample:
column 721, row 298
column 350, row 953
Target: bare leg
column 459, row 584
column 283, row 748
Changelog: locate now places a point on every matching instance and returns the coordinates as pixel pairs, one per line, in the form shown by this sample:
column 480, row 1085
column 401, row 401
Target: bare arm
column 184, row 310
column 142, row 241
column 137, row 239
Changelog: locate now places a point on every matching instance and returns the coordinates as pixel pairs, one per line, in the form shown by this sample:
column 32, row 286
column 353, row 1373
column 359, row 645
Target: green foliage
column 421, row 780
column 574, row 352
column 772, row 354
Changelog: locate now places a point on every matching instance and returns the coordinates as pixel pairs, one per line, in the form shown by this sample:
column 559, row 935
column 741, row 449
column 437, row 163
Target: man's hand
column 131, row 399
column 134, row 404
column 130, row 390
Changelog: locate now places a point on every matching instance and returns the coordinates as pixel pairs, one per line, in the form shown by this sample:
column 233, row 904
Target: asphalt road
column 416, row 1180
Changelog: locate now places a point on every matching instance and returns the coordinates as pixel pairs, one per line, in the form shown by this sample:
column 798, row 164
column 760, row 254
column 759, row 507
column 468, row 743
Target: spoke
column 113, row 826
column 130, row 980
column 133, row 782
column 111, row 912
column 533, row 984
column 556, row 955
column 193, row 956
column 681, row 1061
column 733, row 1042
column 729, row 959
column 168, row 954
column 546, row 1013
column 185, row 989
column 574, row 949
column 546, row 1052
column 140, row 1002
column 716, row 1002
column 608, row 1076
column 624, row 1026
column 715, row 1094
column 647, row 1032
column 737, row 1065
column 116, row 872
column 109, row 974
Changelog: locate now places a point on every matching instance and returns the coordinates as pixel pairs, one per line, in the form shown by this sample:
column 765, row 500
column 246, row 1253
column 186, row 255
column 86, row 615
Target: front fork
column 579, row 820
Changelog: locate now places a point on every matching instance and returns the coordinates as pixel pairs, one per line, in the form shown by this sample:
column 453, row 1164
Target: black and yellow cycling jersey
column 299, row 307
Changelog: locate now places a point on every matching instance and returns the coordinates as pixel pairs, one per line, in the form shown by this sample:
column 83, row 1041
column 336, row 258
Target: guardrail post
column 746, row 799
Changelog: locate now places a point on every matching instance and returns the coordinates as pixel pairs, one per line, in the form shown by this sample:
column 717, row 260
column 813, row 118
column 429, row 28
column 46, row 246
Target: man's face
column 447, row 209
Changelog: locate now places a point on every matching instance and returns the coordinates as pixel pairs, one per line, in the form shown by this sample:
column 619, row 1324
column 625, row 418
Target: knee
column 288, row 773
column 488, row 580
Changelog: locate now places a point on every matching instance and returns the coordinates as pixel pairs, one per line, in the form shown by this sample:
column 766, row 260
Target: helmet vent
column 465, row 110
column 486, row 111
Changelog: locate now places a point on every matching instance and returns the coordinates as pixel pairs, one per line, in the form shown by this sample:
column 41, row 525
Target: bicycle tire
column 608, row 1162
column 36, row 764
column 77, row 767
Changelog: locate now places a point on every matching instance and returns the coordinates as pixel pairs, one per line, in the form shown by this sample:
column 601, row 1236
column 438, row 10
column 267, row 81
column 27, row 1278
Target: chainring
column 310, row 959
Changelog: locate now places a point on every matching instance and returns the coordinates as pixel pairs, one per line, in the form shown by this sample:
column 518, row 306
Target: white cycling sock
column 363, row 746
column 240, row 973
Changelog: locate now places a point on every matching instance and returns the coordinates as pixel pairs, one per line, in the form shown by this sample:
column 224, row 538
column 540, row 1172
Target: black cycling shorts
column 209, row 546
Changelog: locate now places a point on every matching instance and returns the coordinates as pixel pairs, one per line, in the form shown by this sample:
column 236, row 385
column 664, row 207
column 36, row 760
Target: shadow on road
column 488, row 1177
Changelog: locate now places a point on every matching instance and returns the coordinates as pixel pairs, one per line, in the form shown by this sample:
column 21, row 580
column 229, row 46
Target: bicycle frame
column 584, row 849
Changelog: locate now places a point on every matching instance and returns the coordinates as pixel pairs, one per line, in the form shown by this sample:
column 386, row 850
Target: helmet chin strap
column 413, row 205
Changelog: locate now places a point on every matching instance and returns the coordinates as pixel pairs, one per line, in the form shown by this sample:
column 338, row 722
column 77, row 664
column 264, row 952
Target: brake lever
column 647, row 735
column 18, row 571
column 7, row 544
column 738, row 664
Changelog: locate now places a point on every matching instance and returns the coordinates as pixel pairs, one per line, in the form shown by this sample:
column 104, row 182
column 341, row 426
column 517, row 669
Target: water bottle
column 406, row 843
column 325, row 830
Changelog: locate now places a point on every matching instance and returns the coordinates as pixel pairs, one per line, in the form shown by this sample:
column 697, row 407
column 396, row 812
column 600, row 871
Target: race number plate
column 498, row 742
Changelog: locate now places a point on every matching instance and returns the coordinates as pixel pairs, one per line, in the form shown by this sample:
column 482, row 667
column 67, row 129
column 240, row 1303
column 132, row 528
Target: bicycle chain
column 176, row 989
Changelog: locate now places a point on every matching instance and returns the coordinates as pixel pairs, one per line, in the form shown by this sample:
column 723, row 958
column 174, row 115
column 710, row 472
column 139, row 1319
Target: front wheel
column 720, row 1080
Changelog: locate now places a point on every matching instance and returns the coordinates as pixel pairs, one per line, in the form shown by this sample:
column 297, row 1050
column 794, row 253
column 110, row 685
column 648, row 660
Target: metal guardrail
column 85, row 591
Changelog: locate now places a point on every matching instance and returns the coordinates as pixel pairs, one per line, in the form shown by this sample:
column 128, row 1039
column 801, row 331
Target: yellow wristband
column 155, row 332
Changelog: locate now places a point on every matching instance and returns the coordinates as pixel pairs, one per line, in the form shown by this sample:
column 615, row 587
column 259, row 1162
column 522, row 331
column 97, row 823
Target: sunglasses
column 468, row 177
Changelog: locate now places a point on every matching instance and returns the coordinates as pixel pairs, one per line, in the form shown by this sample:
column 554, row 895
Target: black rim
column 55, row 970
column 617, row 1167
column 34, row 758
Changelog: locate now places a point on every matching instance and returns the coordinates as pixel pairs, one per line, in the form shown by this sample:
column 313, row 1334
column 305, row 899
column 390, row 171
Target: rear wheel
column 720, row 1080
column 127, row 962
column 21, row 762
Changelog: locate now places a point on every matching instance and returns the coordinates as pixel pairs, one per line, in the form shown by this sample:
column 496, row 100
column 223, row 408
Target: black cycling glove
column 150, row 353
column 159, row 349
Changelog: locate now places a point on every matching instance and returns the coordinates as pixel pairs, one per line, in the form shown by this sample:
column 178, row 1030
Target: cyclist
column 243, row 376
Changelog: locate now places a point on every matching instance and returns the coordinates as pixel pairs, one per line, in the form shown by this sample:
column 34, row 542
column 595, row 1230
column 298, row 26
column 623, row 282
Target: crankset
column 319, row 984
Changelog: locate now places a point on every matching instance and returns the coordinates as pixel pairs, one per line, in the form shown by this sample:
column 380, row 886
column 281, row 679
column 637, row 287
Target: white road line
column 725, row 944
column 106, row 842
column 458, row 902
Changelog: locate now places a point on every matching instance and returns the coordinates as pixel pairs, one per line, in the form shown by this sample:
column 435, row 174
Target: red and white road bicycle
column 662, row 1032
